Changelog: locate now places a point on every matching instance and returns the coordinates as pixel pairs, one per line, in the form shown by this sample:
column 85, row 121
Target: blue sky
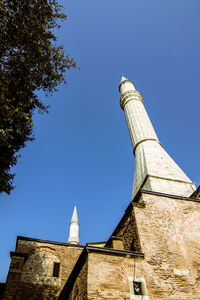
column 82, row 150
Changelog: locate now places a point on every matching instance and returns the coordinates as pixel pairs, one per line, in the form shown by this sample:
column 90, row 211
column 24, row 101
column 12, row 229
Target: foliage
column 30, row 60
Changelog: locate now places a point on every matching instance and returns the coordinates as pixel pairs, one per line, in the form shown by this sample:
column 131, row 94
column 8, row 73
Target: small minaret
column 74, row 229
column 155, row 170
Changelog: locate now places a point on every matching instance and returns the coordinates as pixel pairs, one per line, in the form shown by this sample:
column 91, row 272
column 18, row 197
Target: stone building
column 154, row 252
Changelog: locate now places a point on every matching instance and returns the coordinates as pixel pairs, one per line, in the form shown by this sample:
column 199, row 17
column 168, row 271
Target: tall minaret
column 74, row 229
column 155, row 170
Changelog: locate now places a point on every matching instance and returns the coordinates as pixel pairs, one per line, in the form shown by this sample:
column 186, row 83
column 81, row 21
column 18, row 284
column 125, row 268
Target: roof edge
column 178, row 197
column 24, row 238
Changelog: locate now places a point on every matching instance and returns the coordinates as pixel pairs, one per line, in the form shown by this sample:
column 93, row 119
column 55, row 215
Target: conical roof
column 74, row 215
column 123, row 78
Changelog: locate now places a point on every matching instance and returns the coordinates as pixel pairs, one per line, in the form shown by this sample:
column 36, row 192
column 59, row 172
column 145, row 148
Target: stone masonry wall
column 108, row 276
column 129, row 232
column 169, row 233
column 13, row 278
column 33, row 279
column 79, row 291
column 67, row 254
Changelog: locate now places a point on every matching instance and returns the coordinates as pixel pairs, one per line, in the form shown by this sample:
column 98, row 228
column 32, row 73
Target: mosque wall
column 39, row 269
column 168, row 233
column 80, row 287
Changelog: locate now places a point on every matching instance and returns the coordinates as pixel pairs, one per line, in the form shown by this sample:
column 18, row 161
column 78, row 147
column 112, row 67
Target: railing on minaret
column 74, row 229
column 155, row 170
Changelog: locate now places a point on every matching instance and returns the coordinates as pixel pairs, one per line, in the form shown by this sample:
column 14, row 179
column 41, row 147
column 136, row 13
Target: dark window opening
column 133, row 247
column 137, row 287
column 56, row 269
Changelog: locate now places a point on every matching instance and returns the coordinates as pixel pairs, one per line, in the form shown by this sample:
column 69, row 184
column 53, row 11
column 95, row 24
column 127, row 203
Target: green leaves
column 30, row 60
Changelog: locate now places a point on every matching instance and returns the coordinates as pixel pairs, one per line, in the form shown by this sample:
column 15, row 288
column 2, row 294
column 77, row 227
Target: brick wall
column 108, row 276
column 79, row 290
column 165, row 228
column 167, row 231
column 31, row 276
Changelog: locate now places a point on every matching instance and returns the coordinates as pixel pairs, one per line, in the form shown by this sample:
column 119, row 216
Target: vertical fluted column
column 139, row 124
column 155, row 170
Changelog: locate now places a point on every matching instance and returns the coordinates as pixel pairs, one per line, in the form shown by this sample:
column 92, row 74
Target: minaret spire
column 155, row 170
column 74, row 229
